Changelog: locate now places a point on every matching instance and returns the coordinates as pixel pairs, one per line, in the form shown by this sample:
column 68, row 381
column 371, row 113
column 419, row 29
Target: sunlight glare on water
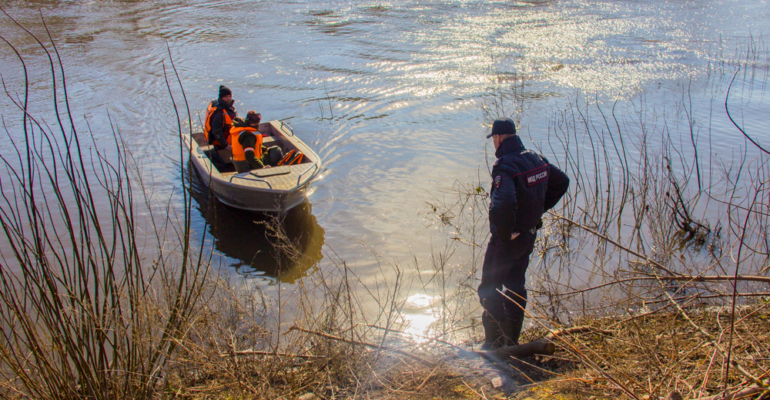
column 419, row 314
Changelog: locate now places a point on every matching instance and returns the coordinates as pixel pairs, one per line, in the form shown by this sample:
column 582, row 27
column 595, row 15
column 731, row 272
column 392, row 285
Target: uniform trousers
column 505, row 265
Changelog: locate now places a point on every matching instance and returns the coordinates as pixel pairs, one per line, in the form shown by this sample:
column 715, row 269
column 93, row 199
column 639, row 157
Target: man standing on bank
column 524, row 186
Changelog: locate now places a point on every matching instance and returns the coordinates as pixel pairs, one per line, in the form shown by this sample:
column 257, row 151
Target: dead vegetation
column 654, row 355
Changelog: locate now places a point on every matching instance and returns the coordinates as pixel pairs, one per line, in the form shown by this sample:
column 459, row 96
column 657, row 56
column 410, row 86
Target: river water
column 389, row 94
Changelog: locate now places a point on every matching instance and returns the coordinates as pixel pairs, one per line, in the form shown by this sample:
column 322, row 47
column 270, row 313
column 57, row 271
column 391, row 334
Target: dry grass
column 638, row 356
column 654, row 355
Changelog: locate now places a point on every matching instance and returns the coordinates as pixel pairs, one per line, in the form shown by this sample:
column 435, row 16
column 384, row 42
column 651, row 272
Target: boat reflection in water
column 284, row 247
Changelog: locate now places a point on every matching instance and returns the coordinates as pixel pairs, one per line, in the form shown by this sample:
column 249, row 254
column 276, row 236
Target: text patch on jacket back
column 538, row 175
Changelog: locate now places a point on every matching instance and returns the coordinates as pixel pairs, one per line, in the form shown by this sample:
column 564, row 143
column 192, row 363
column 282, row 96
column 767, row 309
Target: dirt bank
column 643, row 356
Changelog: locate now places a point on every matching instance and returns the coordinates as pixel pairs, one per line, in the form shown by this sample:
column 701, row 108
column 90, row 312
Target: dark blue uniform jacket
column 524, row 186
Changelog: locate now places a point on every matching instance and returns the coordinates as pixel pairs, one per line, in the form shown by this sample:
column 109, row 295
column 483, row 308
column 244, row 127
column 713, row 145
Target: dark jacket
column 524, row 186
column 219, row 130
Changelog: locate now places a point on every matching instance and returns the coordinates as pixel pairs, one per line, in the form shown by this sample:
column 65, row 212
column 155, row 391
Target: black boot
column 493, row 335
column 512, row 329
column 514, row 318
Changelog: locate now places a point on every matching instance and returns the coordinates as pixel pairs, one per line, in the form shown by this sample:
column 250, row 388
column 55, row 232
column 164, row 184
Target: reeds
column 83, row 314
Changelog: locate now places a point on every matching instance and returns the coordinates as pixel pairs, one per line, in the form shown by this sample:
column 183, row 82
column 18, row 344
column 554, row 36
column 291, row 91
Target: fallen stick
column 267, row 353
column 748, row 391
column 424, row 381
column 498, row 356
column 540, row 346
column 366, row 344
column 575, row 330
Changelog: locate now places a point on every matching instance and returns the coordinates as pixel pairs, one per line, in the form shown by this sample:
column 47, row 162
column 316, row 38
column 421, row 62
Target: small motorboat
column 275, row 189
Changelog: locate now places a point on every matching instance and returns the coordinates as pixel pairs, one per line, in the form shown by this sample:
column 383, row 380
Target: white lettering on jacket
column 534, row 178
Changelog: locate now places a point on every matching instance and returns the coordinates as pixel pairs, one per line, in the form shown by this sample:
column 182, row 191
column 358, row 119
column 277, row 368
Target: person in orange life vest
column 246, row 142
column 219, row 119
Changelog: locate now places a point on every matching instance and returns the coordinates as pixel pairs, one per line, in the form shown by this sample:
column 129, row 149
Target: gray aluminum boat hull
column 254, row 192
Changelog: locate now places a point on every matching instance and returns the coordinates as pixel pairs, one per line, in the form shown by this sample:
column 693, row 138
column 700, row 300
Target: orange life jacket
column 287, row 157
column 297, row 159
column 239, row 152
column 207, row 124
column 292, row 157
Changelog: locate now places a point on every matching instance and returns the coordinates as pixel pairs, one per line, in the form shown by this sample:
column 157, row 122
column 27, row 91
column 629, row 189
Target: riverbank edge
column 653, row 354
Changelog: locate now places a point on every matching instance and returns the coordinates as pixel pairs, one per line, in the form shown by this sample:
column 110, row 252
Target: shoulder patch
column 537, row 175
column 496, row 162
column 498, row 180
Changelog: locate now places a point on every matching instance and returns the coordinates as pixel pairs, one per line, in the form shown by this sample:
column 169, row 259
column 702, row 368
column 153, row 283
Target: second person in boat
column 246, row 142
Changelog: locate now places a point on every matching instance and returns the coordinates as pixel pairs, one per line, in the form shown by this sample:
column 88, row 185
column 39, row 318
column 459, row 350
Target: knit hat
column 503, row 126
column 253, row 116
column 224, row 91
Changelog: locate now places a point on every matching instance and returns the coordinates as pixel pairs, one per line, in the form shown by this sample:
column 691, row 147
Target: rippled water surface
column 389, row 94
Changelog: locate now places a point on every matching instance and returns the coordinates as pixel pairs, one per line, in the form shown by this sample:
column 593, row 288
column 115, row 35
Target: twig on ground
column 270, row 353
column 471, row 389
column 360, row 343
